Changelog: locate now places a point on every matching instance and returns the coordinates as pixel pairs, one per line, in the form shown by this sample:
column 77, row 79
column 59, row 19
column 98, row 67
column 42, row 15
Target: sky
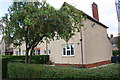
column 106, row 10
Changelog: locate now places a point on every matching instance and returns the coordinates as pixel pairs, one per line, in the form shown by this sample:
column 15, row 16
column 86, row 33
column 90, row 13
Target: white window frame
column 65, row 46
column 49, row 52
column 17, row 53
column 23, row 52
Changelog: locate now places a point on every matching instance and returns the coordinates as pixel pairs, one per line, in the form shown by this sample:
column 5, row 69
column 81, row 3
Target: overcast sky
column 106, row 9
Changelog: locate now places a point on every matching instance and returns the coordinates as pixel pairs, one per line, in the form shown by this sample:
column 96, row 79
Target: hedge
column 5, row 61
column 116, row 52
column 37, row 59
column 20, row 70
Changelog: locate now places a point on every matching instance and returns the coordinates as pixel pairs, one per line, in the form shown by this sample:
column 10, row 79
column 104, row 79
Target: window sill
column 68, row 56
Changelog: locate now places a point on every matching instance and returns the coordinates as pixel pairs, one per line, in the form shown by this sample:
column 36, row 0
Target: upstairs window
column 68, row 50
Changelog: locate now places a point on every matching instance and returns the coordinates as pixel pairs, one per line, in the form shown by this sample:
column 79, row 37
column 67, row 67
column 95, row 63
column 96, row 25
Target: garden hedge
column 5, row 61
column 116, row 52
column 32, row 71
column 37, row 59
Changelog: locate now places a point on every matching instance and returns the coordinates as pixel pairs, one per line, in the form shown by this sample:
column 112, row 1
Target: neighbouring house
column 21, row 50
column 113, row 41
column 5, row 48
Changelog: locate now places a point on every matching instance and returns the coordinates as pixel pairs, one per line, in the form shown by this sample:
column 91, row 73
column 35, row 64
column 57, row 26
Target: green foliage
column 35, row 22
column 38, row 59
column 115, row 53
column 5, row 61
column 19, row 70
column 118, row 42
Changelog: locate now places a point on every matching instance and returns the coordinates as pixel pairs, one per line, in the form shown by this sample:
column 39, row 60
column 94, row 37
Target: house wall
column 56, row 51
column 16, row 49
column 3, row 47
column 55, row 48
column 19, row 49
column 22, row 48
column 97, row 46
column 42, row 47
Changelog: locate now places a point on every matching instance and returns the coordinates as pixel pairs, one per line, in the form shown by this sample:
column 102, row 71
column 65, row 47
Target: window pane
column 34, row 52
column 16, row 52
column 49, row 52
column 38, row 52
column 23, row 52
column 72, row 50
column 68, row 52
column 64, row 51
column 44, row 51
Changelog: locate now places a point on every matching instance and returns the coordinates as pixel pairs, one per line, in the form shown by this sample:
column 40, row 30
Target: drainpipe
column 81, row 46
column 46, row 47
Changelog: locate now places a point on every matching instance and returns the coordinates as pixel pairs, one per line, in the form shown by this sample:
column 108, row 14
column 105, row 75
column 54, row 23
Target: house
column 5, row 48
column 2, row 44
column 113, row 41
column 89, row 47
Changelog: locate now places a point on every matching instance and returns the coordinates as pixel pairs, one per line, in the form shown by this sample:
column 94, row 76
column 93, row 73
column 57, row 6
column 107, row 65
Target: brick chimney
column 95, row 11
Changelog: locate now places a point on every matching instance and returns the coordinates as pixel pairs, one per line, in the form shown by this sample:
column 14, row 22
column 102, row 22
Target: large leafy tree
column 35, row 22
column 118, row 42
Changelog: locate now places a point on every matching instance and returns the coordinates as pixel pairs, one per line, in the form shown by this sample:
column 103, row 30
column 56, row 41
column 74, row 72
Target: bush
column 37, row 59
column 40, row 59
column 20, row 70
column 5, row 61
column 116, row 52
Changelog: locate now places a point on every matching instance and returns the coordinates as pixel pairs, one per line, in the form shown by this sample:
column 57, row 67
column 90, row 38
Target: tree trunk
column 27, row 49
column 30, row 57
column 26, row 56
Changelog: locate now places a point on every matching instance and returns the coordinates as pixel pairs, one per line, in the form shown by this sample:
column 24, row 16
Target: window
column 38, row 52
column 16, row 52
column 47, row 51
column 34, row 52
column 23, row 52
column 68, row 50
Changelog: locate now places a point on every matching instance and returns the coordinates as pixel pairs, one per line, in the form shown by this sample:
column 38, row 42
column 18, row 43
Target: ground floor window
column 68, row 50
column 36, row 51
column 47, row 52
column 23, row 52
column 16, row 52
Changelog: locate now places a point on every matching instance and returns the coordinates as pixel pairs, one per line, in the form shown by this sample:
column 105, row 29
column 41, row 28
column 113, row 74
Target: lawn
column 19, row 70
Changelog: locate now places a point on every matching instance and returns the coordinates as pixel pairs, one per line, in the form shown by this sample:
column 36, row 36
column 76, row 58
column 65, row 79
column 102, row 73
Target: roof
column 113, row 40
column 9, row 50
column 89, row 17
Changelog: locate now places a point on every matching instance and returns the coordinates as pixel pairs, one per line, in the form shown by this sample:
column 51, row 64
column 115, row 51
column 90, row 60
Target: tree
column 35, row 22
column 118, row 42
